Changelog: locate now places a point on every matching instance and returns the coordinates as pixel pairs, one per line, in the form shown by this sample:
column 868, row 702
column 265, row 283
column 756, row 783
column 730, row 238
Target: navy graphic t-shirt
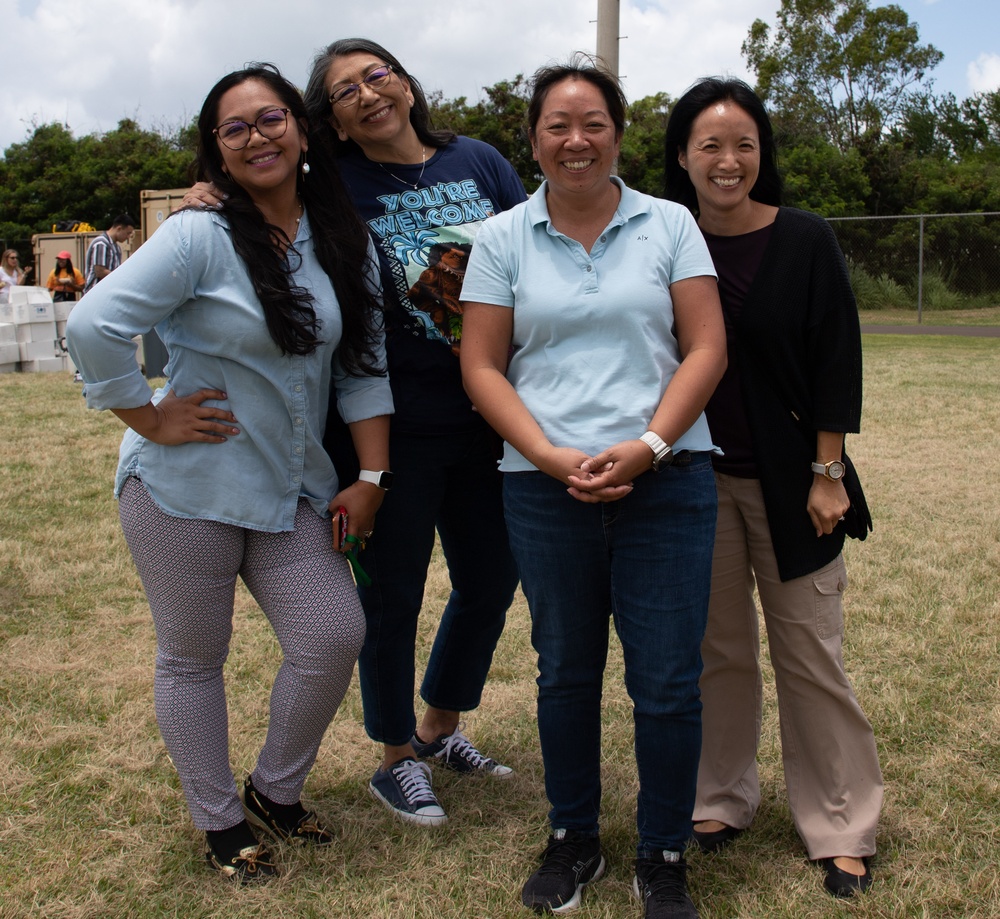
column 424, row 236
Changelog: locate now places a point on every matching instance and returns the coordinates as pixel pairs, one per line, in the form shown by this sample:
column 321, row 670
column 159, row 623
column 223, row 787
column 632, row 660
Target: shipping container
column 155, row 207
column 46, row 246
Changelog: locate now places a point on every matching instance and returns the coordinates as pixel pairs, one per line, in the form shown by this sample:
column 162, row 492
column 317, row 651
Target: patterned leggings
column 189, row 569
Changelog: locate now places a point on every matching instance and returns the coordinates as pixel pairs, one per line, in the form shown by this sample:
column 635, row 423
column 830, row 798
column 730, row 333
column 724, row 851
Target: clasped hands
column 608, row 476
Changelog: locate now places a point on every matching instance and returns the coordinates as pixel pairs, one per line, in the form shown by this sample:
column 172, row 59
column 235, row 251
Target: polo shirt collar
column 632, row 204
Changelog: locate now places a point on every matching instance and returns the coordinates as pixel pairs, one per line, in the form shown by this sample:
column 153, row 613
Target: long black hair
column 339, row 237
column 69, row 265
column 707, row 92
column 320, row 109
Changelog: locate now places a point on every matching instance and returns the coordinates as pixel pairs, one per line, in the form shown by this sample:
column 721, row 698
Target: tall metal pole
column 608, row 15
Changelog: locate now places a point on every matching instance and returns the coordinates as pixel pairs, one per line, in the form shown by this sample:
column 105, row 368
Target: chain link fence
column 914, row 268
column 927, row 264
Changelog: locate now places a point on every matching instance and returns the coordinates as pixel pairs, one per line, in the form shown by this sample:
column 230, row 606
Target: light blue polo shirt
column 594, row 346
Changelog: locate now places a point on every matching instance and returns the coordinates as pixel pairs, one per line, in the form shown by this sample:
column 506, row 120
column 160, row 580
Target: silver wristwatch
column 663, row 453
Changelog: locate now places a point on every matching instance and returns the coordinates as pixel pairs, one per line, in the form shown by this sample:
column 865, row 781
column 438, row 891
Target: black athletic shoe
column 661, row 883
column 569, row 863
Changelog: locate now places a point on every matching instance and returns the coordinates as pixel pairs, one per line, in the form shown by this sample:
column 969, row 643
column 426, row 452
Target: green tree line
column 860, row 131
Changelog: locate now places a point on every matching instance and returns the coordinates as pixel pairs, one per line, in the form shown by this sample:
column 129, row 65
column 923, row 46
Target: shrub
column 879, row 293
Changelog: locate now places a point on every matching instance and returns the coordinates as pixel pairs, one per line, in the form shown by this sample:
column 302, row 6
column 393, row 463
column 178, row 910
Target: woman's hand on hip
column 827, row 504
column 178, row 420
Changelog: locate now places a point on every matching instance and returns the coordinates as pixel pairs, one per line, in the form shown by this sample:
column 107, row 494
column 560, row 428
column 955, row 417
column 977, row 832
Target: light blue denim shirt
column 188, row 283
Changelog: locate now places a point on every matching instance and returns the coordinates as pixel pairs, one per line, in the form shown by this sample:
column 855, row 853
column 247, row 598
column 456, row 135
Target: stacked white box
column 46, row 365
column 35, row 329
column 10, row 354
column 32, row 304
column 36, row 350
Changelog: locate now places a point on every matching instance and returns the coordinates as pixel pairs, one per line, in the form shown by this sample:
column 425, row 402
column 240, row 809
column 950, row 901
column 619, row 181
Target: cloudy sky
column 89, row 63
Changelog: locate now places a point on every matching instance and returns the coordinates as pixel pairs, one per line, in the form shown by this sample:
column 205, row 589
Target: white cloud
column 984, row 73
column 91, row 64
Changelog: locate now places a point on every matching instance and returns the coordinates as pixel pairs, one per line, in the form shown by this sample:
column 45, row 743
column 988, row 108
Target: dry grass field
column 93, row 823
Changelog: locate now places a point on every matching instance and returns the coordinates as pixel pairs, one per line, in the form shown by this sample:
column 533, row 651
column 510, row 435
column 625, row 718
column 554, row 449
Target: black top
column 797, row 346
column 737, row 260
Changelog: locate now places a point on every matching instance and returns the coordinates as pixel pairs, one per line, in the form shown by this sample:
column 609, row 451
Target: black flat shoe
column 289, row 823
column 717, row 839
column 244, row 867
column 842, row 883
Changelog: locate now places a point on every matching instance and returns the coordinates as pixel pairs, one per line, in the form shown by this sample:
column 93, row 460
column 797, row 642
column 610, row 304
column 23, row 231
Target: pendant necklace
column 423, row 164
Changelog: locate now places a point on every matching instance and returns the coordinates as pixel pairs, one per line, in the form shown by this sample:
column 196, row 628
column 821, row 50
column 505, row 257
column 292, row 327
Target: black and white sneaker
column 457, row 752
column 405, row 788
column 661, row 883
column 569, row 863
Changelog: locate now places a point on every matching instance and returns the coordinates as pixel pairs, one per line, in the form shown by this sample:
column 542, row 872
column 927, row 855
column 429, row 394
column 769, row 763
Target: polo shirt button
column 590, row 268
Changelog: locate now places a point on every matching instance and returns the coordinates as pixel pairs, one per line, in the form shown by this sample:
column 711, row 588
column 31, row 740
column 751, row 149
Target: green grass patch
column 94, row 824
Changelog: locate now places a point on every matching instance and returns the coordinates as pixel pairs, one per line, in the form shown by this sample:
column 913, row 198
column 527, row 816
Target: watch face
column 836, row 470
column 385, row 480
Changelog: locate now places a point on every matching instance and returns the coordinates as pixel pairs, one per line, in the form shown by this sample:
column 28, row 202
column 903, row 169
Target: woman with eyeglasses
column 264, row 305
column 10, row 274
column 423, row 195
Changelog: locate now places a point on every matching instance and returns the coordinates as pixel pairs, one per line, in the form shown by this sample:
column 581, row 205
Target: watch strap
column 382, row 478
column 823, row 469
column 662, row 451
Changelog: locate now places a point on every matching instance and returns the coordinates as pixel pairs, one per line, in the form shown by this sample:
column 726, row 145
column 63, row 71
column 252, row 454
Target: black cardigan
column 798, row 342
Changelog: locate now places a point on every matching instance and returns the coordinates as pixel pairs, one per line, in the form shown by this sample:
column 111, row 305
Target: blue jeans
column 451, row 483
column 646, row 561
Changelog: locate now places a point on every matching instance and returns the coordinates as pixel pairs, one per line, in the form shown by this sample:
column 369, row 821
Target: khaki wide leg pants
column 828, row 749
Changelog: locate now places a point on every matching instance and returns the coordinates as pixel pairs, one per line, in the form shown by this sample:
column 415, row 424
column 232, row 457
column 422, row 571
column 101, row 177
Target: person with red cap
column 64, row 281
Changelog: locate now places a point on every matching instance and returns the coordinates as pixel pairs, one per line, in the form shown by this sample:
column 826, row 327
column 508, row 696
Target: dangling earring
column 305, row 166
